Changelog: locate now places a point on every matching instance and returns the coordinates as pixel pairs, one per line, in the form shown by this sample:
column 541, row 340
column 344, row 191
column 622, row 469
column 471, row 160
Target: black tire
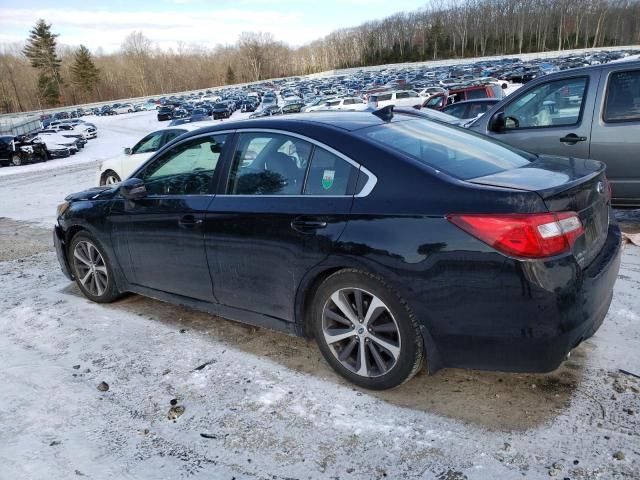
column 109, row 174
column 96, row 287
column 396, row 327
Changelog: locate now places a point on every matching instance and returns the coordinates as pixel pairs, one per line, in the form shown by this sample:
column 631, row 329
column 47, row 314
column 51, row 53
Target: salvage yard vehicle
column 591, row 112
column 470, row 108
column 19, row 150
column 389, row 238
column 115, row 169
column 400, row 98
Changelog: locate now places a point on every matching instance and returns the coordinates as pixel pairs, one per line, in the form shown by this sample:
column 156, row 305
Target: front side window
column 551, row 104
column 186, row 169
column 623, row 97
column 402, row 95
column 435, row 102
column 329, row 175
column 269, row 164
column 150, row 143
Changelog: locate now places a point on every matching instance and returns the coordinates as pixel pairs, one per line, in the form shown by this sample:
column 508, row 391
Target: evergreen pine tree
column 231, row 76
column 84, row 73
column 41, row 52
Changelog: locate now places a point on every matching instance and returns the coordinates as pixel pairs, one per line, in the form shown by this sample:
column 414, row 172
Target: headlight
column 62, row 208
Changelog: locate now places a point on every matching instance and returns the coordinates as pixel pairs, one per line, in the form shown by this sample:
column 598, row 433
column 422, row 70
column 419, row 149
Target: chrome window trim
column 368, row 187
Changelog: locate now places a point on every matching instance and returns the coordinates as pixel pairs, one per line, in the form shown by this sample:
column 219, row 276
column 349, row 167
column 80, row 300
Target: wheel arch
column 314, row 278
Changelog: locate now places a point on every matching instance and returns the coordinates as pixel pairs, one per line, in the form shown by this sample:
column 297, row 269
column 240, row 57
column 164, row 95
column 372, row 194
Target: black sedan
column 389, row 238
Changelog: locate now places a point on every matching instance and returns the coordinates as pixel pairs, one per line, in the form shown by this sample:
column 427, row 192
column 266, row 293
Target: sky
column 96, row 23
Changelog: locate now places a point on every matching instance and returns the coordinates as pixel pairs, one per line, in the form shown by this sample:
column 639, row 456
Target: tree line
column 42, row 73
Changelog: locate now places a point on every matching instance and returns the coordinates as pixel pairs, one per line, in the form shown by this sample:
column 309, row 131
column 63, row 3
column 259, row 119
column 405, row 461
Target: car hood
column 95, row 193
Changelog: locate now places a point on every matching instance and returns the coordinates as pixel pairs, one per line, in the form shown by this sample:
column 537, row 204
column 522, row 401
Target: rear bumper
column 536, row 322
column 59, row 243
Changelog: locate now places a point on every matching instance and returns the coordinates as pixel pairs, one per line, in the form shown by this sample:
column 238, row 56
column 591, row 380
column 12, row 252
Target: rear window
column 476, row 93
column 458, row 152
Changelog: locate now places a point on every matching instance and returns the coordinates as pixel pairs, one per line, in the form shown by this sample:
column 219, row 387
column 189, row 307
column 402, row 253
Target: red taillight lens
column 536, row 235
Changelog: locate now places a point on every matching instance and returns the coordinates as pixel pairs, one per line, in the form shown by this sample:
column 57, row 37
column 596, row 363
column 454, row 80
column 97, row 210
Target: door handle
column 572, row 138
column 307, row 225
column 189, row 221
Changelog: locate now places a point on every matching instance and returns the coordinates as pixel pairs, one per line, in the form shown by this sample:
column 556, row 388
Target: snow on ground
column 264, row 405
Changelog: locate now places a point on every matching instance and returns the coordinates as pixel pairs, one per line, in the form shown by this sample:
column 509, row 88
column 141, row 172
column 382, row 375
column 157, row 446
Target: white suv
column 126, row 108
column 115, row 169
column 399, row 98
column 348, row 103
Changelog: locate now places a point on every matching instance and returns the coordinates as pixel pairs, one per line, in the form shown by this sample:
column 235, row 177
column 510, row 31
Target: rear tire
column 92, row 269
column 365, row 331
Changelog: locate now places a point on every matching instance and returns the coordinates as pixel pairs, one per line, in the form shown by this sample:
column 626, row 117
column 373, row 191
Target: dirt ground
column 572, row 423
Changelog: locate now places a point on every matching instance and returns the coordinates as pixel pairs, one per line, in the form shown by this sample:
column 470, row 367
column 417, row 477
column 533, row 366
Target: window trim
column 606, row 98
column 371, row 182
column 522, row 94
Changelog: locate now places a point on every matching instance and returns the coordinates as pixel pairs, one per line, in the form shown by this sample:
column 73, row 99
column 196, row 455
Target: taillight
column 535, row 235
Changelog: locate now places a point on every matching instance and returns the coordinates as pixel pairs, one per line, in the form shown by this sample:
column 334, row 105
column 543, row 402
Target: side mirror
column 496, row 123
column 127, row 151
column 133, row 189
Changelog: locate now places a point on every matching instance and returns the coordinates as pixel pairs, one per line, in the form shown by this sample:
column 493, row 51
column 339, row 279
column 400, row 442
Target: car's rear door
column 159, row 239
column 283, row 204
column 614, row 137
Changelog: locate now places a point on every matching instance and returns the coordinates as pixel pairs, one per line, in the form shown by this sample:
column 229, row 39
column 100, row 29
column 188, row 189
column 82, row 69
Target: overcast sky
column 96, row 23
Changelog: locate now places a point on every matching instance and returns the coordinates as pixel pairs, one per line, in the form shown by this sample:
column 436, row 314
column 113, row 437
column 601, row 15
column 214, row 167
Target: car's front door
column 615, row 138
column 284, row 205
column 553, row 117
column 161, row 236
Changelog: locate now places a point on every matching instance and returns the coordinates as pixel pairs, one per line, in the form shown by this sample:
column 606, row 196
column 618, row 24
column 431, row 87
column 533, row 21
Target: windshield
column 452, row 150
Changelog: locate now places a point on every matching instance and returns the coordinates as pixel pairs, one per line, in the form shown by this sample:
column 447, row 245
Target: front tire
column 16, row 159
column 91, row 269
column 365, row 331
column 110, row 178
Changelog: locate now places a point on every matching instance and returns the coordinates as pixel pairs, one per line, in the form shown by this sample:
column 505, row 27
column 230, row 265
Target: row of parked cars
column 59, row 139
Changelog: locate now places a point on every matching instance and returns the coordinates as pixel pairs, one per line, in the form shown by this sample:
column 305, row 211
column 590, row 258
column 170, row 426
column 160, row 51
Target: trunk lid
column 565, row 184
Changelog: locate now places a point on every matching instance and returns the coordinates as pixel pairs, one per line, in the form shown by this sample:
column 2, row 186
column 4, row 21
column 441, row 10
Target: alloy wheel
column 91, row 268
column 111, row 180
column 361, row 332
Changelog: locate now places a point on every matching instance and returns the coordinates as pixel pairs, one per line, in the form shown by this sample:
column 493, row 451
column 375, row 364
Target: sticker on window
column 327, row 179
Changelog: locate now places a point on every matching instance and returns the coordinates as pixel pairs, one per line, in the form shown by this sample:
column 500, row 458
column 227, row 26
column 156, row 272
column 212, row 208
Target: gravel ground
column 250, row 403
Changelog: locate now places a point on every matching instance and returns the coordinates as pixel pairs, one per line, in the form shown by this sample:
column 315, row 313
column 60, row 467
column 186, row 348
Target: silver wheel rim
column 16, row 160
column 111, row 180
column 361, row 332
column 91, row 268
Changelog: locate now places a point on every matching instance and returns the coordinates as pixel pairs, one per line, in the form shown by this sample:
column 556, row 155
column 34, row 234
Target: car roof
column 345, row 120
column 477, row 100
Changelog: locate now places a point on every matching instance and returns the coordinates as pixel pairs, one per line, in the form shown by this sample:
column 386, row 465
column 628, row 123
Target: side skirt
column 229, row 313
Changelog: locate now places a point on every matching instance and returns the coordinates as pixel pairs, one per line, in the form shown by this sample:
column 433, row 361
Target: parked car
column 470, row 108
column 366, row 231
column 348, row 103
column 399, row 98
column 438, row 101
column 115, row 169
column 165, row 113
column 588, row 113
column 19, row 150
column 220, row 110
column 126, row 108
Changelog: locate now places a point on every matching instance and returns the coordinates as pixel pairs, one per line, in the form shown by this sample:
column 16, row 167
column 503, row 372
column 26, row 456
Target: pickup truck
column 591, row 113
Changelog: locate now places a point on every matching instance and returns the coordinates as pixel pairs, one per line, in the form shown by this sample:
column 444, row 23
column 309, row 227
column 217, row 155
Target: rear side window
column 381, row 98
column 402, row 95
column 329, row 175
column 457, row 152
column 623, row 97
